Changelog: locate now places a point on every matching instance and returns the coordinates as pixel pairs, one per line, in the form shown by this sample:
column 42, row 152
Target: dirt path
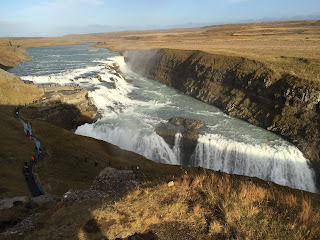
column 27, row 170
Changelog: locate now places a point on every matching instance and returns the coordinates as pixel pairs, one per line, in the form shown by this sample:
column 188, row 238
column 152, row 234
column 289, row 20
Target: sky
column 37, row 18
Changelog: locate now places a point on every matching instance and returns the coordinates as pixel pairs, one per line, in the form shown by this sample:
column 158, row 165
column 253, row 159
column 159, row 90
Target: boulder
column 113, row 181
column 109, row 181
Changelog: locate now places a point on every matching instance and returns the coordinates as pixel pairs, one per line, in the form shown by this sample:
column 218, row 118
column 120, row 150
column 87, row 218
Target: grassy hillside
column 15, row 150
column 69, row 160
column 205, row 206
column 11, row 54
column 15, row 147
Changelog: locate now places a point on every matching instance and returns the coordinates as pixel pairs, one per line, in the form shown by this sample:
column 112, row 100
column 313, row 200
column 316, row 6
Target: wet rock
column 189, row 129
column 100, row 79
column 167, row 133
column 189, row 124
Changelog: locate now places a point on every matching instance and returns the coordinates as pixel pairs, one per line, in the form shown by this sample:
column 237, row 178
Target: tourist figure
column 41, row 191
column 27, row 176
column 32, row 158
column 96, row 163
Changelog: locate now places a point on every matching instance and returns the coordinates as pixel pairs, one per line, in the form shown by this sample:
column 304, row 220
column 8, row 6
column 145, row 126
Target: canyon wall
column 242, row 88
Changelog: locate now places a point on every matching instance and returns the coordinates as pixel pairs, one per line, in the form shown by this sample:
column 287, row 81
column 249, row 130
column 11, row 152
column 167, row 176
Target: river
column 131, row 110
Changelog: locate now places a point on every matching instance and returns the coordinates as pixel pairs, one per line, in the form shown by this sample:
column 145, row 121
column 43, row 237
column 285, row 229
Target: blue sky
column 60, row 17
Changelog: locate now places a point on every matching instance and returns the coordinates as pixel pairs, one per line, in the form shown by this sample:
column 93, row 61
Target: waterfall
column 284, row 165
column 151, row 145
column 177, row 146
column 132, row 107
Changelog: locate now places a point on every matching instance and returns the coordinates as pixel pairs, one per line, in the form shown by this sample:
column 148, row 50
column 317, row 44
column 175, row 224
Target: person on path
column 32, row 158
column 96, row 163
column 41, row 191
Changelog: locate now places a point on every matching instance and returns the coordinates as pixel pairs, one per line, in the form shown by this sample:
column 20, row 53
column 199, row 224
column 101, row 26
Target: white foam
column 152, row 146
column 284, row 165
column 127, row 123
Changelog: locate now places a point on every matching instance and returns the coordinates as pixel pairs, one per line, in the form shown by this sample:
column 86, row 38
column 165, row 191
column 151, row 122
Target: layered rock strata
column 242, row 88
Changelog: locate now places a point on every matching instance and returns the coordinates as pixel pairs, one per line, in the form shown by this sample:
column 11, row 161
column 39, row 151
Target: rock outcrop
column 23, row 226
column 10, row 202
column 109, row 182
column 64, row 106
column 113, row 181
column 189, row 135
column 242, row 88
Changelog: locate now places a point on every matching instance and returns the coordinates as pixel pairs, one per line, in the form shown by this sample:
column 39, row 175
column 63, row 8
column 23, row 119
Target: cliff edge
column 243, row 88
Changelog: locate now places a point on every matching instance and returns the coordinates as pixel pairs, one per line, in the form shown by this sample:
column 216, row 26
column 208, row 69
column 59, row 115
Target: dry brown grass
column 205, row 206
column 286, row 47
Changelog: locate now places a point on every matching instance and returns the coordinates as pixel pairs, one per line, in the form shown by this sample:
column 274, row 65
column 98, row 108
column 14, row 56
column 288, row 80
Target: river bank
column 200, row 203
column 242, row 88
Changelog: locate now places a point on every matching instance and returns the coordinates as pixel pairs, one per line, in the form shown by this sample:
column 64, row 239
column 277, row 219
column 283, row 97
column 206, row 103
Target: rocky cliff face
column 242, row 88
column 189, row 130
column 64, row 106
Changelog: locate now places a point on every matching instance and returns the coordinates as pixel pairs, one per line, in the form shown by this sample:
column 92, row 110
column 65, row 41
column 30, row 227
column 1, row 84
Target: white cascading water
column 282, row 165
column 131, row 112
column 177, row 146
column 152, row 146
